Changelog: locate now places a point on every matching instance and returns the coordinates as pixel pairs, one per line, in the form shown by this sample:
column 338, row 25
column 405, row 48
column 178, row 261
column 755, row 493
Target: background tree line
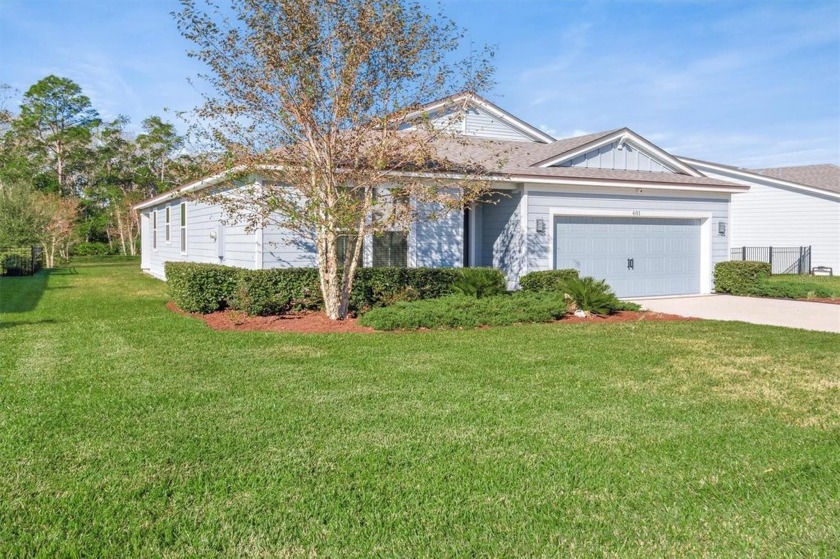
column 69, row 178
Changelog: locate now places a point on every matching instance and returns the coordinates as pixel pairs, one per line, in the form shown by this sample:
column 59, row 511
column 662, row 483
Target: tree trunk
column 329, row 274
column 121, row 230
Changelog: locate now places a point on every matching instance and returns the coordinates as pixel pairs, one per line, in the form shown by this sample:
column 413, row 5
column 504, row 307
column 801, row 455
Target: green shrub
column 591, row 295
column 93, row 249
column 480, row 282
column 740, row 277
column 790, row 290
column 203, row 288
column 548, row 280
column 16, row 264
column 383, row 286
column 276, row 291
column 458, row 311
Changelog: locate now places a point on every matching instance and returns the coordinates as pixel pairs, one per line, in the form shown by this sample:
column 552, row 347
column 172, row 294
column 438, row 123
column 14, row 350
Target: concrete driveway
column 822, row 317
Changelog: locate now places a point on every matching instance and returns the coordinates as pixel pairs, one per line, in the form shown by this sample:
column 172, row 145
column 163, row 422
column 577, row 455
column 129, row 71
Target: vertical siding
column 771, row 215
column 541, row 200
column 202, row 219
column 501, row 236
column 609, row 156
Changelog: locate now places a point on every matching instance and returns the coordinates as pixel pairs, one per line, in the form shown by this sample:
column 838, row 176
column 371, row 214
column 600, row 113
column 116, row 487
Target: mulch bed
column 318, row 323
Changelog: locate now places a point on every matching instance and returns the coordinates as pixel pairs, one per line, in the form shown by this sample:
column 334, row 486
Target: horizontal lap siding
column 775, row 216
column 202, row 221
column 284, row 249
column 437, row 241
column 484, row 125
column 501, row 236
column 541, row 201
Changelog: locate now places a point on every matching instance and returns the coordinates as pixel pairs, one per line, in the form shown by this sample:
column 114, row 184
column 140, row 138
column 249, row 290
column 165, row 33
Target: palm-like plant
column 479, row 282
column 591, row 295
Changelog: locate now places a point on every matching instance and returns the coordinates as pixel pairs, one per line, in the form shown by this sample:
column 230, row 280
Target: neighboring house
column 612, row 205
column 785, row 207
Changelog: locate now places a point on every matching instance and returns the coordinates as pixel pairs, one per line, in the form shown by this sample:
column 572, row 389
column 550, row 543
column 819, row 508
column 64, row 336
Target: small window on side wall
column 167, row 227
column 154, row 230
column 183, row 227
column 390, row 249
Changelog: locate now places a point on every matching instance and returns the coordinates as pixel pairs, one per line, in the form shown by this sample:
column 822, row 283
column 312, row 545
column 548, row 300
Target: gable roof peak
column 474, row 99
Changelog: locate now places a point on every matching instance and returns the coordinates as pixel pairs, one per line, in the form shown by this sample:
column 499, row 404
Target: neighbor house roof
column 825, row 176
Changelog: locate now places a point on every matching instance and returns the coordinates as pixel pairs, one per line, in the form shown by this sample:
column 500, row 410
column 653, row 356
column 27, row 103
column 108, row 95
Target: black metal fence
column 20, row 261
column 782, row 260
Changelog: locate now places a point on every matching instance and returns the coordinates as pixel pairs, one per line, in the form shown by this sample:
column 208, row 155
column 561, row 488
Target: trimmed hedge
column 203, row 288
column 93, row 249
column 458, row 311
column 276, row 291
column 378, row 287
column 206, row 288
column 548, row 280
column 740, row 277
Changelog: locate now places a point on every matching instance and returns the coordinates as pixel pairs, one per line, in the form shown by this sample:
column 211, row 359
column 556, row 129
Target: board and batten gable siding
column 541, row 201
column 501, row 236
column 775, row 215
column 203, row 222
column 628, row 158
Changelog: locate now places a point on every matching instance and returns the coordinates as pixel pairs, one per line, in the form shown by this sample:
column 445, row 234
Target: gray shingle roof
column 824, row 177
column 518, row 159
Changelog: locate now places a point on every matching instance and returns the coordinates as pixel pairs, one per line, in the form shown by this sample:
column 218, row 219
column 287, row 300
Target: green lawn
column 126, row 430
column 829, row 282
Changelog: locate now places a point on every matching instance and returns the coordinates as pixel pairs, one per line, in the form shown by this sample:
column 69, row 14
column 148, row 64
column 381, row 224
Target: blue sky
column 750, row 84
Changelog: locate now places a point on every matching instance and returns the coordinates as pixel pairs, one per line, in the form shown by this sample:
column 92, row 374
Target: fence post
column 743, row 253
column 801, row 256
column 771, row 259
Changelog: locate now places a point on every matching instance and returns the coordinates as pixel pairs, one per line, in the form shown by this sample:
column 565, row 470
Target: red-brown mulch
column 303, row 323
column 318, row 323
column 624, row 316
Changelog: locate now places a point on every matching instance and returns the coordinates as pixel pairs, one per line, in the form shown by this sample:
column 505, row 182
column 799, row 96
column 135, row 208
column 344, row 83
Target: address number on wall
column 637, row 212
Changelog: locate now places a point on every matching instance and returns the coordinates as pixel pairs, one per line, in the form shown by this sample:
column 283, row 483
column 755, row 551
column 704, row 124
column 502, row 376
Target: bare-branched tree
column 319, row 102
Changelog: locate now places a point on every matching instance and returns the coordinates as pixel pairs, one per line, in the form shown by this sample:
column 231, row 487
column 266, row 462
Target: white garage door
column 638, row 257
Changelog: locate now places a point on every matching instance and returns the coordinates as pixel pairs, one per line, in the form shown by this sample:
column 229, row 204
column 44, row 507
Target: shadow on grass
column 12, row 323
column 22, row 294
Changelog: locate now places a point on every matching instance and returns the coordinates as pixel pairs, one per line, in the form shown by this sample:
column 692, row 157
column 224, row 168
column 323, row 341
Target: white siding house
column 612, row 205
column 785, row 207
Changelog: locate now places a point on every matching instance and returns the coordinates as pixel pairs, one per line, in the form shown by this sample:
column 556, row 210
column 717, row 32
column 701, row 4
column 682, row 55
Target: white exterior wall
column 773, row 215
column 233, row 246
column 543, row 200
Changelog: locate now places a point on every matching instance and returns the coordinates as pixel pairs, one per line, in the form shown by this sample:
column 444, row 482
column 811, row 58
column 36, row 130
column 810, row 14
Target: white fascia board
column 186, row 189
column 747, row 176
column 626, row 135
column 624, row 184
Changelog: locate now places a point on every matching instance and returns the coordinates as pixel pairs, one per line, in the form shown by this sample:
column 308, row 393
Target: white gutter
column 560, row 181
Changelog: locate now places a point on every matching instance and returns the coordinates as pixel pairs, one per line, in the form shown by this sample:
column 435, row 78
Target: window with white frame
column 154, row 230
column 183, row 227
column 167, row 225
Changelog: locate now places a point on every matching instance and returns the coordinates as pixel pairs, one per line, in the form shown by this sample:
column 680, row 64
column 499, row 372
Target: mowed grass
column 832, row 283
column 129, row 431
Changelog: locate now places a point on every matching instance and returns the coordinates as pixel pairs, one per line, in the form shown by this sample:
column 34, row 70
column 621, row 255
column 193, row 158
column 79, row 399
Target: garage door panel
column 665, row 253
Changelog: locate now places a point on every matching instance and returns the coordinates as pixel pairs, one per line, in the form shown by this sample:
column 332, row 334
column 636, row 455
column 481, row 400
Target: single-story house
column 785, row 207
column 612, row 205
